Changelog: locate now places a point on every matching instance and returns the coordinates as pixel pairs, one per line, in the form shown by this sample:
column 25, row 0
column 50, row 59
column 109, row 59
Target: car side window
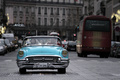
column 59, row 42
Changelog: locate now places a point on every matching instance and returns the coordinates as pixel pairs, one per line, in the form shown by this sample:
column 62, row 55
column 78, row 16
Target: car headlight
column 64, row 53
column 21, row 53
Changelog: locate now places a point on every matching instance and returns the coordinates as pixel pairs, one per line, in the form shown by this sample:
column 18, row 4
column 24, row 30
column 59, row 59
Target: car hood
column 42, row 50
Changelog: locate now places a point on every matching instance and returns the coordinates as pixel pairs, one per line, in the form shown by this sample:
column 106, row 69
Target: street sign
column 117, row 28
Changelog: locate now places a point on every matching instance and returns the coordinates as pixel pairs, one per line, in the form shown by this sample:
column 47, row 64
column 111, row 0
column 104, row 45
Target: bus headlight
column 21, row 53
column 64, row 53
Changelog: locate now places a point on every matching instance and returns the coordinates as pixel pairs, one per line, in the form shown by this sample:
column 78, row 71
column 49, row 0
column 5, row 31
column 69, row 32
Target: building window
column 74, row 22
column 15, row 9
column 75, row 1
column 63, row 1
column 51, row 11
column 57, row 11
column 57, row 22
column 45, row 10
column 81, row 1
column 33, row 9
column 51, row 21
column 57, row 1
column 39, row 21
column 74, row 12
column 26, row 10
column 26, row 21
column 69, row 11
column 20, row 8
column 15, row 20
column 85, row 9
column 20, row 19
column 39, row 10
column 63, row 22
column 51, row 0
column 68, row 22
column 63, row 11
column 45, row 21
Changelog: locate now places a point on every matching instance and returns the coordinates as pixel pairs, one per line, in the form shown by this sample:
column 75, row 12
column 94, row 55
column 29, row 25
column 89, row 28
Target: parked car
column 12, row 46
column 42, row 52
column 71, row 45
column 117, row 54
column 114, row 46
column 20, row 42
column 8, row 44
column 11, row 38
column 65, row 44
column 3, row 47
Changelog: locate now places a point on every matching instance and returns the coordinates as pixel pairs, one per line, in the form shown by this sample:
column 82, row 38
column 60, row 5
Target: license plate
column 40, row 65
column 97, row 48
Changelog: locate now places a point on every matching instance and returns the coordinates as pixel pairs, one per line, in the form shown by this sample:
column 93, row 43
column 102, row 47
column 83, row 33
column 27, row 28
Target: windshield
column 97, row 25
column 41, row 41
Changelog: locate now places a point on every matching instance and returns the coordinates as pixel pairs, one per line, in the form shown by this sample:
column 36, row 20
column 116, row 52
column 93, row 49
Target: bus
column 94, row 36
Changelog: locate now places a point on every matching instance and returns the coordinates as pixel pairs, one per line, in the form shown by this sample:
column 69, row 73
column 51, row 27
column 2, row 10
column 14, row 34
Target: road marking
column 116, row 74
column 7, row 60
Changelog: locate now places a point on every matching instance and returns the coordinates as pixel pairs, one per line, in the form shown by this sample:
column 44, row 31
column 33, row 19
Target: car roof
column 41, row 36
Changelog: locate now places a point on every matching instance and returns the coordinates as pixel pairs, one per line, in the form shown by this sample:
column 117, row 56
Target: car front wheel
column 22, row 70
column 62, row 70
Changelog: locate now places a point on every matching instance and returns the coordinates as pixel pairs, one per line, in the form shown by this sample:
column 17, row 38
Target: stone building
column 40, row 17
column 1, row 10
column 106, row 8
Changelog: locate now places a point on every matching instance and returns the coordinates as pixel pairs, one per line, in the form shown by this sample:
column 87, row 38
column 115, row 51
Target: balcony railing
column 21, row 13
column 46, row 2
column 32, row 14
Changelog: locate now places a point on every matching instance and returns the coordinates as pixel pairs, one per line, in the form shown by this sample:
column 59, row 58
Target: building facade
column 112, row 7
column 106, row 8
column 2, row 10
column 40, row 17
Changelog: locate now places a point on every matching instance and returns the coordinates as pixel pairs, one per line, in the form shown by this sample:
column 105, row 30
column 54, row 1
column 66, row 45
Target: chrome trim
column 45, row 56
column 65, row 59
column 41, row 55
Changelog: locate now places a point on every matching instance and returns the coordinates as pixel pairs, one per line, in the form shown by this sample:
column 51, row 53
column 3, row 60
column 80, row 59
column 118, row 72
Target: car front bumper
column 43, row 65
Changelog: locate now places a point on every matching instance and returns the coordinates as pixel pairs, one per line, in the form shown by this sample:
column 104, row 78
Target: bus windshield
column 97, row 25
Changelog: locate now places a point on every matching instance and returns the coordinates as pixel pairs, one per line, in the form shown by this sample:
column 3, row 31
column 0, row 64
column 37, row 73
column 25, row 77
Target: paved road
column 91, row 68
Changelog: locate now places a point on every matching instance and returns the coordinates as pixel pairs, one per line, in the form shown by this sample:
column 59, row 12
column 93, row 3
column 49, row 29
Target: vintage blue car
column 42, row 52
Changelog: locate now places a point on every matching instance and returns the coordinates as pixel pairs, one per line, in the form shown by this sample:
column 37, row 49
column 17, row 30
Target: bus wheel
column 85, row 55
column 101, row 56
column 106, row 55
column 79, row 54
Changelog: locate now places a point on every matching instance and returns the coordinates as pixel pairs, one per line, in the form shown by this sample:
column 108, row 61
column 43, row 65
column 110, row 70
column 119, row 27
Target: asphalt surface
column 90, row 68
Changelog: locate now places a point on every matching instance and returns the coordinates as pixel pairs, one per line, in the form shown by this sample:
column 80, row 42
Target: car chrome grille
column 42, row 59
